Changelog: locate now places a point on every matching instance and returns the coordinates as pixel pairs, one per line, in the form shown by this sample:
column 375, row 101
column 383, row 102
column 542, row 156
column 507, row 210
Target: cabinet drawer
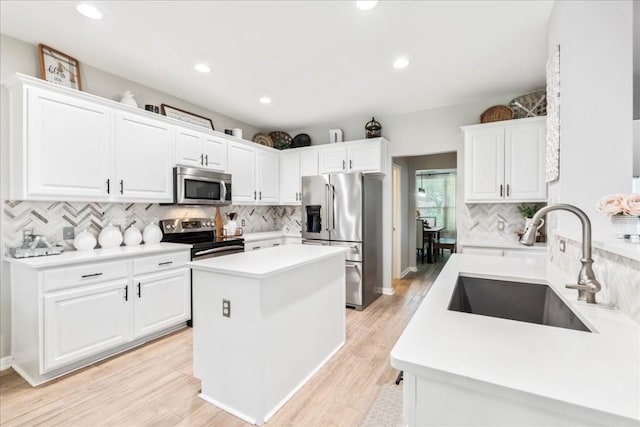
column 69, row 277
column 152, row 264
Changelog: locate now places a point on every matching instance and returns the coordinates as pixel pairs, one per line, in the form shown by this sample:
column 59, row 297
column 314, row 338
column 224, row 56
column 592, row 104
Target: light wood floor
column 153, row 384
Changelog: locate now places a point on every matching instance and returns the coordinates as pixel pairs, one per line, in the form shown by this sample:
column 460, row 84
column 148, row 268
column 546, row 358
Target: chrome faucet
column 587, row 285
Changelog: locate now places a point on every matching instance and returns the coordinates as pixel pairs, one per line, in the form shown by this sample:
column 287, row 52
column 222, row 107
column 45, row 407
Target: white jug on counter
column 152, row 234
column 132, row 236
column 84, row 241
column 110, row 237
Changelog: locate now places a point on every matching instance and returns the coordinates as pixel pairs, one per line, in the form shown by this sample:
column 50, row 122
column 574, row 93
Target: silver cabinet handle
column 121, row 186
column 126, row 293
column 139, row 291
column 350, row 164
column 508, row 191
column 161, row 264
column 344, row 164
column 201, row 159
column 254, row 195
column 260, row 195
column 206, row 160
column 108, row 186
column 500, row 190
column 256, row 247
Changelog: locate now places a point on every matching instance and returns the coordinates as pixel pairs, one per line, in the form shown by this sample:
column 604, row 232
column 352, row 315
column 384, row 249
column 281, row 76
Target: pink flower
column 611, row 205
column 631, row 204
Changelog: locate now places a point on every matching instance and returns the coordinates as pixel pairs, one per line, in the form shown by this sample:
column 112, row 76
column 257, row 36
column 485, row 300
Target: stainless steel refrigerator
column 346, row 210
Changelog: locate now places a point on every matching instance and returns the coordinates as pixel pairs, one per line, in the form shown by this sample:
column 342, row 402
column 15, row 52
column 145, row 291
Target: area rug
column 386, row 410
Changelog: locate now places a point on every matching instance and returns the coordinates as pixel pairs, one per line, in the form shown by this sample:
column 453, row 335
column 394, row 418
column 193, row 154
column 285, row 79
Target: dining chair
column 420, row 238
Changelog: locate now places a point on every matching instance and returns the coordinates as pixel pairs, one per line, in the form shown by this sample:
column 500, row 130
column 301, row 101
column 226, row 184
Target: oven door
column 216, row 252
column 201, row 187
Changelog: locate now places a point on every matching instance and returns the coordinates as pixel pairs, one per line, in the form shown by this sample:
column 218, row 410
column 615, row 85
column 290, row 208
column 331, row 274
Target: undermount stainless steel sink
column 525, row 302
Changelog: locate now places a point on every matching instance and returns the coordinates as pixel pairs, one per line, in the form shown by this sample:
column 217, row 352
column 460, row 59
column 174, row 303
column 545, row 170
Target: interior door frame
column 396, row 221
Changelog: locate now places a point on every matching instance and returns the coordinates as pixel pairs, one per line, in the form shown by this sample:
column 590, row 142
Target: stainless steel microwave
column 195, row 186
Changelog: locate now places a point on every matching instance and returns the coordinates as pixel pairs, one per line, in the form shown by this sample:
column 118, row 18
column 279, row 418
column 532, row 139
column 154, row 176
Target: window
column 436, row 197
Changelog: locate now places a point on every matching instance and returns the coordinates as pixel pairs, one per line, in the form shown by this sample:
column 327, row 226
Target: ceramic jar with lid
column 152, row 234
column 84, row 241
column 110, row 237
column 132, row 236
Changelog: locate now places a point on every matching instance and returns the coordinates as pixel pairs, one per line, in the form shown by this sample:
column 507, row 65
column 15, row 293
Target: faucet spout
column 587, row 285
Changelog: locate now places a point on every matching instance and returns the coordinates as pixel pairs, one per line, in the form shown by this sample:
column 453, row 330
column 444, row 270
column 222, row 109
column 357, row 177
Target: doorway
column 396, row 218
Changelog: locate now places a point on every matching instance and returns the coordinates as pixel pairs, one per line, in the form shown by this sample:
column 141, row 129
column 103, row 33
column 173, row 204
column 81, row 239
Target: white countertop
column 266, row 235
column 76, row 257
column 507, row 244
column 267, row 262
column 598, row 370
column 622, row 247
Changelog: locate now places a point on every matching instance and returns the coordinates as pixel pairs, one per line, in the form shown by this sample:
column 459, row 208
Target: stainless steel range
column 200, row 232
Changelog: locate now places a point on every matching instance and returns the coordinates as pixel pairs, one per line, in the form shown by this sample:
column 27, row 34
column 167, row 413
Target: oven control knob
column 208, row 224
column 171, row 226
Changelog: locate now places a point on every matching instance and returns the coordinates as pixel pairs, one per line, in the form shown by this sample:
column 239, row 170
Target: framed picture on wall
column 185, row 116
column 59, row 68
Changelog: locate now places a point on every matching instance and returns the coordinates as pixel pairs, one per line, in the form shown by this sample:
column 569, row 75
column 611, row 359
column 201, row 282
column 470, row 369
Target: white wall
column 17, row 56
column 595, row 39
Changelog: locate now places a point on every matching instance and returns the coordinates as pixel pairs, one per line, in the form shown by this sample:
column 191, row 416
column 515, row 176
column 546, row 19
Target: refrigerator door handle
column 333, row 208
column 326, row 206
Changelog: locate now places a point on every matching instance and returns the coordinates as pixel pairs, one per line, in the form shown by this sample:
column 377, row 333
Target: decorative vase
column 127, row 98
column 626, row 226
column 110, row 237
column 152, row 234
column 132, row 236
column 84, row 241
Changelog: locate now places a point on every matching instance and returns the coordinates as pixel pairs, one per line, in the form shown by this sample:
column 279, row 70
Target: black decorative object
column 301, row 140
column 373, row 129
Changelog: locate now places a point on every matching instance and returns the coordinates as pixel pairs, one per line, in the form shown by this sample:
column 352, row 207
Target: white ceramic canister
column 152, row 234
column 84, row 241
column 110, row 237
column 127, row 98
column 132, row 236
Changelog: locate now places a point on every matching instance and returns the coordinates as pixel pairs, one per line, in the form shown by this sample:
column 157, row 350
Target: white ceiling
column 318, row 60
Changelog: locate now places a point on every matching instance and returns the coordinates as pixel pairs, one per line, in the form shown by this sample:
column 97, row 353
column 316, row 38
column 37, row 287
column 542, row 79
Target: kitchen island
column 463, row 368
column 263, row 323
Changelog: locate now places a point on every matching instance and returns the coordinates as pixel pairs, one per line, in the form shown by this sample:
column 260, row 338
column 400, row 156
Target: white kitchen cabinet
column 161, row 300
column 263, row 244
column 84, row 321
column 143, row 154
column 505, row 161
column 308, row 162
column 64, row 149
column 243, row 172
column 352, row 156
column 73, row 309
column 267, row 176
column 254, row 174
column 198, row 149
column 290, row 190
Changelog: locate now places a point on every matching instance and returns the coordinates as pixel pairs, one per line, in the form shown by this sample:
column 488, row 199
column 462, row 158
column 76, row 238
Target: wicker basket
column 532, row 104
column 496, row 114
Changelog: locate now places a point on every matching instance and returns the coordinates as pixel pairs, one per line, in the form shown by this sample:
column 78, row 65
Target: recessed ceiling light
column 401, row 63
column 367, row 5
column 265, row 100
column 89, row 11
column 203, row 68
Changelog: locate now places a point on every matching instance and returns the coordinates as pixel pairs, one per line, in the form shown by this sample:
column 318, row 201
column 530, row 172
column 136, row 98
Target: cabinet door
column 68, row 148
column 309, row 163
column 290, row 178
column 242, row 170
column 189, row 148
column 161, row 300
column 143, row 159
column 215, row 153
column 525, row 162
column 363, row 157
column 268, row 176
column 332, row 159
column 484, row 165
column 85, row 321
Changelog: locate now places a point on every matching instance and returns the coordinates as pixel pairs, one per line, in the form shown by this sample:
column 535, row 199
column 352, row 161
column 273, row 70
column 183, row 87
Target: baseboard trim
column 6, row 362
column 383, row 291
column 407, row 271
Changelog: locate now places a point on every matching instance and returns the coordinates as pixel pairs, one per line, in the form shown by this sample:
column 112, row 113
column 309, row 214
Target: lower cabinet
column 68, row 316
column 161, row 300
column 84, row 321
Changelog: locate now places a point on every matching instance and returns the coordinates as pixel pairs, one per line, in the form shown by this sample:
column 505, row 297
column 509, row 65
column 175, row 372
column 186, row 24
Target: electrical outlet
column 226, row 308
column 68, row 233
column 562, row 245
column 243, row 223
column 500, row 225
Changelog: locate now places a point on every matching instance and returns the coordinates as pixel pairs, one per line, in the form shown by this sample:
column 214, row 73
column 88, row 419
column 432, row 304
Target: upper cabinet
column 505, row 161
column 267, row 176
column 354, row 156
column 294, row 164
column 254, row 174
column 198, row 149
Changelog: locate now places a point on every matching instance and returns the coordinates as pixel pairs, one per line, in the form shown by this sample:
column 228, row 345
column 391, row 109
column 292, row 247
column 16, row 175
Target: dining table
column 430, row 235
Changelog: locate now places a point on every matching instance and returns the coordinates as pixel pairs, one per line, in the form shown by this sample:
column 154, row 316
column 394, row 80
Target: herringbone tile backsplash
column 479, row 222
column 49, row 218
